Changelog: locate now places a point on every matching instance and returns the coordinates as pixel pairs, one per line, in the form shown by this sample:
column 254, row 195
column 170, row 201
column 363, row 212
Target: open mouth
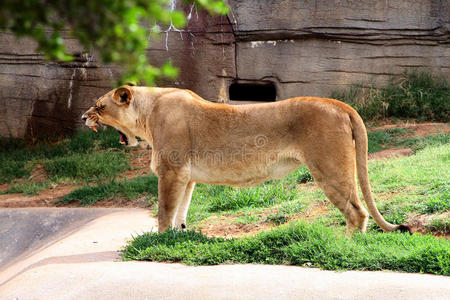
column 123, row 138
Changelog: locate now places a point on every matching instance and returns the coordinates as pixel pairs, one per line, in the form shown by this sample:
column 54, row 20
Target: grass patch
column 272, row 192
column 440, row 224
column 229, row 198
column 303, row 175
column 420, row 143
column 391, row 212
column 86, row 140
column 285, row 212
column 439, row 202
column 29, row 188
column 18, row 158
column 97, row 167
column 417, row 184
column 12, row 169
column 417, row 95
column 247, row 219
column 420, row 174
column 129, row 189
column 215, row 199
column 382, row 139
column 298, row 244
column 278, row 218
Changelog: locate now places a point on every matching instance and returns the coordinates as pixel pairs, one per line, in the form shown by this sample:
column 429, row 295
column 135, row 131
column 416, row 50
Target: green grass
column 392, row 212
column 247, row 219
column 104, row 166
column 420, row 143
column 29, row 188
column 382, row 139
column 440, row 224
column 299, row 244
column 285, row 211
column 12, row 169
column 278, row 218
column 423, row 174
column 64, row 158
column 230, row 198
column 416, row 185
column 439, row 201
column 215, row 199
column 272, row 192
column 129, row 189
column 303, row 175
column 417, row 95
column 86, row 140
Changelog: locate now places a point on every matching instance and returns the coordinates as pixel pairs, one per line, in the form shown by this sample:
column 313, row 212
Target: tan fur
column 194, row 140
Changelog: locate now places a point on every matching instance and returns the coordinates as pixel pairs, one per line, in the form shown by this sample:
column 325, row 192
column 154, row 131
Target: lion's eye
column 99, row 108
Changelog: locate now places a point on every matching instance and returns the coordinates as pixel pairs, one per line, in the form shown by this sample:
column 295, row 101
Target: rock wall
column 40, row 98
column 318, row 46
column 303, row 47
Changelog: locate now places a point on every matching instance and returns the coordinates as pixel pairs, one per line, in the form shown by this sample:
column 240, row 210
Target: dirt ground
column 140, row 163
column 417, row 130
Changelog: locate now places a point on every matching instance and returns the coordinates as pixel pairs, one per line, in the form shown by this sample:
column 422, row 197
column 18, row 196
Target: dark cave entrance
column 253, row 91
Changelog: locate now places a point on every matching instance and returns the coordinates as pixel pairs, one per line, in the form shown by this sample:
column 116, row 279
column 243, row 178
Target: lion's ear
column 123, row 95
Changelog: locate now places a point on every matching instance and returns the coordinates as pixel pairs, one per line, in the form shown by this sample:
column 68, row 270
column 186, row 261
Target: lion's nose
column 83, row 117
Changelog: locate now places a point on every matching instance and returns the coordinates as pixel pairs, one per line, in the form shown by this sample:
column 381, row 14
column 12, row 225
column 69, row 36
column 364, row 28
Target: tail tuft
column 404, row 228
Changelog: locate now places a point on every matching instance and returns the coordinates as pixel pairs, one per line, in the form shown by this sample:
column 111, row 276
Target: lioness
column 194, row 140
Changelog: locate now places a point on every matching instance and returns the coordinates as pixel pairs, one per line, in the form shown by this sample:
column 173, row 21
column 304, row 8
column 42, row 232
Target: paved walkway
column 83, row 263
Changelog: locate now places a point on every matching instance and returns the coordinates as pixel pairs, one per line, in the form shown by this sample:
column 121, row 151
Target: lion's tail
column 360, row 137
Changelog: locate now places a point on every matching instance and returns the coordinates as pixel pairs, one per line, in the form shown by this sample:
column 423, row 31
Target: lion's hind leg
column 336, row 177
column 346, row 199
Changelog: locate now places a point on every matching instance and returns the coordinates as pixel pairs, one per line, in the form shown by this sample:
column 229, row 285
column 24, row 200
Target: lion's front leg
column 171, row 191
column 180, row 220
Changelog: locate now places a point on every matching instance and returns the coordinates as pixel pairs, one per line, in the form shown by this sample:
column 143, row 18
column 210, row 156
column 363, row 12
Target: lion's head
column 114, row 109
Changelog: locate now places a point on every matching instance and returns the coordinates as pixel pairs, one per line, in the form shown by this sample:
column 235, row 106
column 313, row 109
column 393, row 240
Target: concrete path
column 24, row 230
column 84, row 264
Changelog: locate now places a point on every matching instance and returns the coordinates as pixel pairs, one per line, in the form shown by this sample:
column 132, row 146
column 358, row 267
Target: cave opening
column 253, row 91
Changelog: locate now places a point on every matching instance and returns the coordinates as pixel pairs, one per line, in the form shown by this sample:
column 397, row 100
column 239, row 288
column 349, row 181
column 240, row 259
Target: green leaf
column 169, row 70
column 178, row 19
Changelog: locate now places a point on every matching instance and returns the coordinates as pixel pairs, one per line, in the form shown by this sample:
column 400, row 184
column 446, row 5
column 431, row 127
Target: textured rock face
column 302, row 47
column 318, row 46
column 39, row 98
